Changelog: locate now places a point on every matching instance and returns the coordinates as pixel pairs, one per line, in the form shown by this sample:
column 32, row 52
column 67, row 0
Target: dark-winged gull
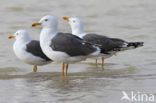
column 109, row 46
column 28, row 50
column 63, row 48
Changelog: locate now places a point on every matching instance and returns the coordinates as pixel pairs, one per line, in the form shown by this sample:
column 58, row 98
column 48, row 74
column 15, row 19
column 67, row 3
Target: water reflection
column 52, row 87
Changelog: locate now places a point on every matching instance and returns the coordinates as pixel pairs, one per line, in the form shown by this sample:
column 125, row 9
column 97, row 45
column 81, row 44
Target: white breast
column 56, row 56
column 22, row 54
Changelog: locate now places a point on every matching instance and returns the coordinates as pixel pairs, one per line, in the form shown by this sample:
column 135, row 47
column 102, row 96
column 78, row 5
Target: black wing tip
column 136, row 44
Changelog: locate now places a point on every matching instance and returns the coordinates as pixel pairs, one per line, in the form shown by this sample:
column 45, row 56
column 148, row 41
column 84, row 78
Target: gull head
column 20, row 35
column 47, row 22
column 75, row 24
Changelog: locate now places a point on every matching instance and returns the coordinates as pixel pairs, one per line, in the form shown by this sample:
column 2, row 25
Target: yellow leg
column 103, row 62
column 66, row 69
column 63, row 69
column 96, row 61
column 35, row 68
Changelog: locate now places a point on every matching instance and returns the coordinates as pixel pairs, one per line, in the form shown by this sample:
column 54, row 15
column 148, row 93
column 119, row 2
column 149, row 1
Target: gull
column 28, row 50
column 109, row 46
column 61, row 47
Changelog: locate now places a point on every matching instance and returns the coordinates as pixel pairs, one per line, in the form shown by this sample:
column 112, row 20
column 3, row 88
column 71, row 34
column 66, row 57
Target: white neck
column 45, row 40
column 78, row 30
column 20, row 46
column 22, row 41
column 46, row 35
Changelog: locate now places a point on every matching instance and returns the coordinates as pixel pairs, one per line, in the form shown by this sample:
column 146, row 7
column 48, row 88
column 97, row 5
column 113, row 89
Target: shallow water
column 133, row 70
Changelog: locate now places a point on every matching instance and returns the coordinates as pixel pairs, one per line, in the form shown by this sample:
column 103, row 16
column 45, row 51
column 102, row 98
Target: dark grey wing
column 72, row 45
column 34, row 48
column 107, row 44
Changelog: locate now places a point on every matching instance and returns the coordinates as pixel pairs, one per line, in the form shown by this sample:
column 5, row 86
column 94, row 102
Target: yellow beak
column 35, row 24
column 66, row 18
column 11, row 36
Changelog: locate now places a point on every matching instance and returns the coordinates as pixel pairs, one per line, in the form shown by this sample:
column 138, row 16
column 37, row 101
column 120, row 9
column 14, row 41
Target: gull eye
column 46, row 19
column 74, row 21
